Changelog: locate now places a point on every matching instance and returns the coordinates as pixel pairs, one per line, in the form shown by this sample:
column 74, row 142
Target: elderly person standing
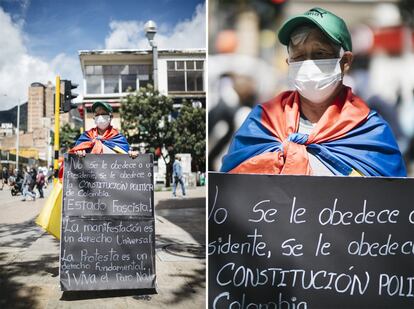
column 321, row 127
column 103, row 138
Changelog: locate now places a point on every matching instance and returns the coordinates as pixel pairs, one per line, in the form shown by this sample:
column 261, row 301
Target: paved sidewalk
column 29, row 257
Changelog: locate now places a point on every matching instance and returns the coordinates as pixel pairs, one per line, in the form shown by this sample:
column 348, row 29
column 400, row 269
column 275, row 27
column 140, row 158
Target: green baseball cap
column 106, row 106
column 330, row 24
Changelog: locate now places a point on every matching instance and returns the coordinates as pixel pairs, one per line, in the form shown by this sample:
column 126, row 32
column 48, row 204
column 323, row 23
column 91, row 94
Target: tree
column 190, row 134
column 146, row 120
column 68, row 137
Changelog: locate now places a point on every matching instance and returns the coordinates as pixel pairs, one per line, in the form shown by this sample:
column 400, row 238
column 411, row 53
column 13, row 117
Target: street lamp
column 150, row 31
column 17, row 132
column 18, row 135
column 197, row 104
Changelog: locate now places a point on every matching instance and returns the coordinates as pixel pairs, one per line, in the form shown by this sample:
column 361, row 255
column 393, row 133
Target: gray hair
column 300, row 34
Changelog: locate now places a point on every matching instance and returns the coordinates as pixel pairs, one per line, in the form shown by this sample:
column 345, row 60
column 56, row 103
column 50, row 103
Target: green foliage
column 190, row 132
column 68, row 137
column 147, row 119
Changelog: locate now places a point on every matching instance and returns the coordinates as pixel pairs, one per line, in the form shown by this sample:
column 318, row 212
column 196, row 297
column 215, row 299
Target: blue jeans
column 181, row 182
column 26, row 192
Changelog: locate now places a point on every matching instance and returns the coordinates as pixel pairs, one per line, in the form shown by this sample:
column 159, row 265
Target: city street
column 29, row 259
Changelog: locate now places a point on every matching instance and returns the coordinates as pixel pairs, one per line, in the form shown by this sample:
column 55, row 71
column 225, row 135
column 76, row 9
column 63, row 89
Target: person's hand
column 133, row 154
column 80, row 153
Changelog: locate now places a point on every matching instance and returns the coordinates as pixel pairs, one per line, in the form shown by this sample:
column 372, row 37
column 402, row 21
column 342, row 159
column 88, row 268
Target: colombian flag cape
column 349, row 139
column 92, row 143
column 50, row 216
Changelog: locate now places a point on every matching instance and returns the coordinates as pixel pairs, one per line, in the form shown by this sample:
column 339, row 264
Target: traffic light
column 66, row 87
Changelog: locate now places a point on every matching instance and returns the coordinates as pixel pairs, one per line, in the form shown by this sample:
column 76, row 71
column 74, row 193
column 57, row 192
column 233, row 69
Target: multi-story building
column 109, row 74
column 36, row 106
column 49, row 111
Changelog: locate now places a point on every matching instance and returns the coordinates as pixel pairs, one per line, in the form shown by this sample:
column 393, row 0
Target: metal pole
column 18, row 135
column 155, row 64
column 57, row 118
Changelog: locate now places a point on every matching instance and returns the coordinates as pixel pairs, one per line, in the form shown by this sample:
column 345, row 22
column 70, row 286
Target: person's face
column 311, row 46
column 316, row 46
column 100, row 111
column 102, row 118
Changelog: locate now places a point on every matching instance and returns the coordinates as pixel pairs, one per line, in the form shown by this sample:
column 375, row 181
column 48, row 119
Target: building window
column 111, row 78
column 185, row 76
column 129, row 75
column 129, row 82
column 194, row 80
column 111, row 84
column 144, row 75
column 176, row 81
column 116, row 78
column 93, row 78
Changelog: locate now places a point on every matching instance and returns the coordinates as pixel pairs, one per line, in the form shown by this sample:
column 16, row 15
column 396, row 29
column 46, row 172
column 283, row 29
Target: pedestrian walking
column 4, row 177
column 40, row 182
column 178, row 175
column 27, row 184
column 33, row 173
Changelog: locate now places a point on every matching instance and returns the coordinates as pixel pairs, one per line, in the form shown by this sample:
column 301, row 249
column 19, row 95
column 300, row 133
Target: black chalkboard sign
column 107, row 236
column 310, row 242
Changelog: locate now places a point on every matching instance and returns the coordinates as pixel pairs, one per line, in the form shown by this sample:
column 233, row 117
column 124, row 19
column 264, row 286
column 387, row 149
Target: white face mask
column 102, row 121
column 315, row 80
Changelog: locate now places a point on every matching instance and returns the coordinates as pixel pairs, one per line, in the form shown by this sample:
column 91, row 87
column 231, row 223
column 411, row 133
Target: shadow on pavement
column 196, row 282
column 14, row 293
column 181, row 203
column 19, row 235
column 80, row 295
column 189, row 215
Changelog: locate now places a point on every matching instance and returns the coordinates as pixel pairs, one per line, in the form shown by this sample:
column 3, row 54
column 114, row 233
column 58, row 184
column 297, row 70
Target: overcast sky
column 40, row 39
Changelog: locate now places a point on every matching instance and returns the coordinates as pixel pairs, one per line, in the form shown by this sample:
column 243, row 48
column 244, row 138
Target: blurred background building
column 247, row 64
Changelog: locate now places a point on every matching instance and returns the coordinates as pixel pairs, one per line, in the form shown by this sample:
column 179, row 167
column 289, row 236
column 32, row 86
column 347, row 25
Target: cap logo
column 315, row 12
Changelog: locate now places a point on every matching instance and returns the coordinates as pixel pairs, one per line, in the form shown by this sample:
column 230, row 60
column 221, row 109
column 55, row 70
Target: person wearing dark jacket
column 40, row 182
column 5, row 177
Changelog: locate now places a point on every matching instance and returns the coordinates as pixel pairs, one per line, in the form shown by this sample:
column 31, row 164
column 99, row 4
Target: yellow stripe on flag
column 119, row 150
column 356, row 173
